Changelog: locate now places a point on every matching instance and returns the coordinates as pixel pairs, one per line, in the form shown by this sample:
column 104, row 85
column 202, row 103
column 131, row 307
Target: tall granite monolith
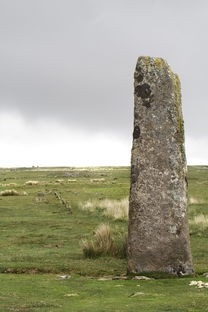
column 158, row 238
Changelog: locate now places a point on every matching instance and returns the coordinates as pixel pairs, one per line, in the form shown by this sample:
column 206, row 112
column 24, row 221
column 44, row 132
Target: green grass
column 40, row 238
column 43, row 236
column 47, row 293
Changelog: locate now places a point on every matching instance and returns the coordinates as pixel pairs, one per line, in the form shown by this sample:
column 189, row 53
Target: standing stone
column 158, row 226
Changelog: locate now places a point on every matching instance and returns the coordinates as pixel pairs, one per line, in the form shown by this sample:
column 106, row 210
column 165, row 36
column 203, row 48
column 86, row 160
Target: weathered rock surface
column 158, row 226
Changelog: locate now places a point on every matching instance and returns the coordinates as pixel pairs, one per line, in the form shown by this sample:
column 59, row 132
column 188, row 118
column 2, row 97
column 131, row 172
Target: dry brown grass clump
column 32, row 183
column 61, row 181
column 101, row 180
column 103, row 244
column 9, row 193
column 200, row 220
column 24, row 193
column 196, row 201
column 9, row 185
column 117, row 209
column 12, row 193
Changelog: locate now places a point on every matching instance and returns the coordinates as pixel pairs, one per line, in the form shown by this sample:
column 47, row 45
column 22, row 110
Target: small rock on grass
column 104, row 278
column 120, row 278
column 205, row 274
column 64, row 276
column 198, row 284
column 136, row 294
column 71, row 295
column 145, row 278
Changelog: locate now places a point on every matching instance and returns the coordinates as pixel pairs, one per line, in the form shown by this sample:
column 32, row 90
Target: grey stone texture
column 158, row 239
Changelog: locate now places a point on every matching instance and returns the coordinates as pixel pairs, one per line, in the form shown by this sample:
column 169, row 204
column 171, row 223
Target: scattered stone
column 136, row 294
column 63, row 202
column 158, row 225
column 140, row 278
column 124, row 278
column 105, row 279
column 198, row 284
column 193, row 283
column 205, row 274
column 120, row 278
column 64, row 276
column 71, row 295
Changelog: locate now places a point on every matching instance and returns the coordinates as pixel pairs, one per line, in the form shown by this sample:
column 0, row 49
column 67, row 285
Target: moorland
column 49, row 218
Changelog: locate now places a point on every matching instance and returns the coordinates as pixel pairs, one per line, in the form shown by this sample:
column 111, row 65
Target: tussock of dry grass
column 24, row 193
column 200, row 220
column 12, row 193
column 104, row 238
column 101, row 180
column 196, row 201
column 103, row 244
column 61, row 181
column 9, row 193
column 32, row 182
column 117, row 209
column 9, row 185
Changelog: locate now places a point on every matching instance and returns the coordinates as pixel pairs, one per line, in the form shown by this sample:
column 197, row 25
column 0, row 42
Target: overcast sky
column 66, row 76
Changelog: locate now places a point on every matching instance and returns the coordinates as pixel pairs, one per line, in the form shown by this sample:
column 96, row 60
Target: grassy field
column 41, row 239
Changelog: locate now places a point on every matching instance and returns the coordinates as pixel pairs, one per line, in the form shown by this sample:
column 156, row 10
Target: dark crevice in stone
column 178, row 232
column 138, row 68
column 147, row 104
column 134, row 174
column 143, row 91
column 139, row 77
column 136, row 133
column 136, row 115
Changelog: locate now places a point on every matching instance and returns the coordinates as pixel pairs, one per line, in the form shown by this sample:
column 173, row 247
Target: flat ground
column 40, row 240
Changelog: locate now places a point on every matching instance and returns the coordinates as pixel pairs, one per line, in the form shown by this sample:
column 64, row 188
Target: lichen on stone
column 179, row 116
column 159, row 62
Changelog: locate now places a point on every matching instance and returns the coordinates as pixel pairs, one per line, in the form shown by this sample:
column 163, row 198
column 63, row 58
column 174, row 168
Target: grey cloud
column 74, row 60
